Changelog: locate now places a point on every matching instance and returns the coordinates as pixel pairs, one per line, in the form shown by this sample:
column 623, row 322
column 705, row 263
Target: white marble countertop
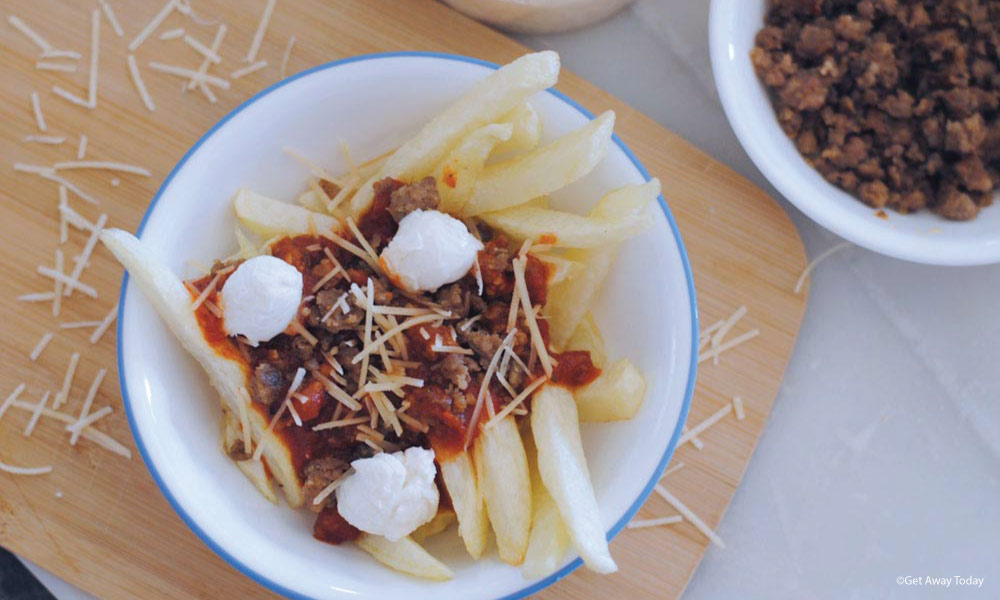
column 881, row 460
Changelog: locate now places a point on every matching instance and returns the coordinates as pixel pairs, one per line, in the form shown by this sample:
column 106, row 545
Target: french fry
column 404, row 555
column 502, row 471
column 527, row 130
column 268, row 218
column 484, row 103
column 587, row 336
column 441, row 521
column 543, row 170
column 457, row 174
column 568, row 301
column 615, row 395
column 466, row 497
column 563, row 470
column 548, row 540
column 564, row 229
column 172, row 301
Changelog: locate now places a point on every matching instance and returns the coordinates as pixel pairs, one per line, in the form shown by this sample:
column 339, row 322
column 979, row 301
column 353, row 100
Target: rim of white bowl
column 278, row 587
column 818, row 200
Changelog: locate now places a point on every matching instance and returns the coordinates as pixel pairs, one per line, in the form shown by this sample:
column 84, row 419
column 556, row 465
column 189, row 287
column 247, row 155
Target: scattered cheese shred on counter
column 98, row 437
column 52, row 140
column 63, row 392
column 57, row 291
column 812, row 264
column 202, row 49
column 695, row 440
column 150, row 27
column 673, row 469
column 220, row 33
column 258, row 35
column 14, row 470
column 645, row 523
column 87, row 403
column 689, row 515
column 112, row 18
column 95, row 52
column 36, row 414
column 89, row 420
column 196, row 76
column 36, row 107
column 257, row 66
column 738, row 408
column 70, row 97
column 104, row 324
column 105, row 165
column 282, row 72
column 29, row 33
column 81, row 147
column 50, row 66
column 172, row 34
column 11, row 399
column 711, row 352
column 40, row 346
column 140, row 85
column 700, row 427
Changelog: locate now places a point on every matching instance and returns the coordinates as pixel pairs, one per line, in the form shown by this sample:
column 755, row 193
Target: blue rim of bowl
column 536, row 586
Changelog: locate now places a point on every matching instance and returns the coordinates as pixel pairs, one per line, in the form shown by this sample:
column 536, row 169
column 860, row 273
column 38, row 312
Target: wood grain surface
column 98, row 519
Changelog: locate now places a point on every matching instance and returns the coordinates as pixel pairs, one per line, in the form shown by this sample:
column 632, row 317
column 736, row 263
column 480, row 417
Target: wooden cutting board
column 98, row 519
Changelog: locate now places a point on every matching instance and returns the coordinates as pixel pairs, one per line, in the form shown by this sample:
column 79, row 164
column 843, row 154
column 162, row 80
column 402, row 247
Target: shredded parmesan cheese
column 689, row 515
column 40, row 346
column 258, row 35
column 152, row 25
column 29, row 33
column 36, row 107
column 140, row 85
column 325, row 492
column 712, row 420
column 202, row 49
column 35, row 297
column 490, row 370
column 695, row 440
column 90, row 420
column 79, row 324
column 36, row 414
column 812, row 264
column 339, row 423
column 95, row 51
column 70, row 97
column 51, row 140
column 220, row 33
column 102, row 165
column 728, row 345
column 525, row 393
column 112, row 19
column 196, row 76
column 105, row 324
column 63, row 392
column 98, row 437
column 537, row 342
column 205, row 293
column 11, row 399
column 61, row 54
column 645, row 523
column 373, row 345
column 83, row 260
column 57, row 291
column 87, row 403
column 243, row 71
column 13, row 470
column 738, row 408
column 49, row 66
column 81, row 147
column 284, row 57
column 172, row 34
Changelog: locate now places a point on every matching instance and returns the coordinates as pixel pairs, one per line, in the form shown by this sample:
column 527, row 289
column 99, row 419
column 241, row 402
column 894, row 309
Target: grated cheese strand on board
column 83, row 260
column 104, row 324
column 172, row 34
column 35, row 297
column 14, row 470
column 283, row 71
column 103, row 165
column 738, row 408
column 695, row 440
column 70, row 97
column 52, row 140
column 112, row 18
column 90, row 420
column 724, row 330
column 689, row 515
column 646, row 523
column 243, row 71
column 29, row 33
column 728, row 345
column 673, row 469
column 63, row 392
column 81, row 147
column 87, row 403
column 258, row 35
column 700, row 427
column 202, row 49
column 95, row 51
column 63, row 212
column 70, row 54
column 40, row 346
column 49, row 66
column 220, row 34
column 36, row 414
column 196, row 76
column 57, row 291
column 98, row 437
column 11, row 399
column 812, row 264
column 36, row 107
column 140, row 85
column 152, row 25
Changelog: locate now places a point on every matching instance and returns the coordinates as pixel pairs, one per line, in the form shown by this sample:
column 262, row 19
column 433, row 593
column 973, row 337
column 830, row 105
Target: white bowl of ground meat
column 646, row 311
column 900, row 118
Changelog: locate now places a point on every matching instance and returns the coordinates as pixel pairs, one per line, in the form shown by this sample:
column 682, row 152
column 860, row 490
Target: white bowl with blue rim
column 647, row 312
column 922, row 237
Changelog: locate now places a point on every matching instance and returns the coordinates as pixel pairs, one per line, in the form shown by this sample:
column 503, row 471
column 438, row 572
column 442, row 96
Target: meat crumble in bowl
column 894, row 102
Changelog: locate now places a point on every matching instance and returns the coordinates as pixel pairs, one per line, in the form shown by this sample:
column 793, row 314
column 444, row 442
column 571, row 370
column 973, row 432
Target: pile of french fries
column 526, row 481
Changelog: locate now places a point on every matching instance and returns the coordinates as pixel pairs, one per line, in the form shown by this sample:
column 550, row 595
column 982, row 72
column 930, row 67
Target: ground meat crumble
column 894, row 101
